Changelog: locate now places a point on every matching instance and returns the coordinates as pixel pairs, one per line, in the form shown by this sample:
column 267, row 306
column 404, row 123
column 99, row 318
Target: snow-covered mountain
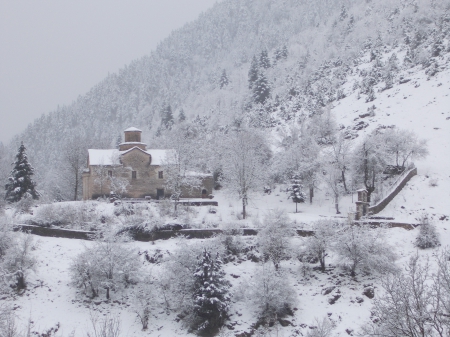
column 269, row 64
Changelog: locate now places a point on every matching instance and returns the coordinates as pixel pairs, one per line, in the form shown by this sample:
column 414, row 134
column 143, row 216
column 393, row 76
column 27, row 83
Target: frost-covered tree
column 369, row 162
column 106, row 264
column 274, row 237
column 167, row 120
column 223, row 82
column 261, row 88
column 404, row 145
column 321, row 243
column 211, row 293
column 19, row 183
column 408, row 305
column 271, row 293
column 264, row 61
column 245, row 158
column 17, row 261
column 253, row 72
column 296, row 191
column 427, row 237
column 360, row 247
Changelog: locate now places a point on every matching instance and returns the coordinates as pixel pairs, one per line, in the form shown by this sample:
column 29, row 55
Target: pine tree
column 181, row 116
column 261, row 89
column 264, row 61
column 253, row 72
column 211, row 295
column 167, row 117
column 296, row 191
column 20, row 184
column 223, row 79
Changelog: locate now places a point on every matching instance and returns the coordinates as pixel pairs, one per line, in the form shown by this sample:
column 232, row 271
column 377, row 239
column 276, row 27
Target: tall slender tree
column 20, row 183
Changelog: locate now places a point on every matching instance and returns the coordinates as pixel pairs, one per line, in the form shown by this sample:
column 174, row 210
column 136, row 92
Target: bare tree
column 245, row 159
column 74, row 159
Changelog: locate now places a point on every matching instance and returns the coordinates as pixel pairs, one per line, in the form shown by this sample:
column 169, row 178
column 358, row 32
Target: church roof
column 132, row 129
column 110, row 157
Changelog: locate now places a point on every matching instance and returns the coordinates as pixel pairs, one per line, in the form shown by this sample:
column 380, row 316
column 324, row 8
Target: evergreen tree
column 296, row 191
column 253, row 72
column 261, row 89
column 20, row 183
column 181, row 116
column 211, row 295
column 223, row 79
column 167, row 117
column 264, row 61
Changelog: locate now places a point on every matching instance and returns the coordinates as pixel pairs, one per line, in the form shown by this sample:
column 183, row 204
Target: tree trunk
column 311, row 194
column 107, row 293
column 344, row 182
column 295, row 207
column 243, row 208
column 336, row 203
column 76, row 186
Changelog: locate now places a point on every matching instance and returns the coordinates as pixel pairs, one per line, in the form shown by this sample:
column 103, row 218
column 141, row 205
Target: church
column 135, row 172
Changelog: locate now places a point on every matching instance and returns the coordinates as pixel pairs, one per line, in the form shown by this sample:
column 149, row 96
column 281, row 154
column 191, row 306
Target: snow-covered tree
column 245, row 158
column 261, row 88
column 321, row 243
column 264, row 60
column 106, row 264
column 427, row 237
column 253, row 72
column 19, row 183
column 167, row 120
column 362, row 247
column 296, row 191
column 369, row 162
column 271, row 293
column 404, row 145
column 223, row 82
column 274, row 236
column 211, row 293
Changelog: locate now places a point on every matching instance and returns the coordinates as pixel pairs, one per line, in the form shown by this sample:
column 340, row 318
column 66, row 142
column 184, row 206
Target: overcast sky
column 51, row 51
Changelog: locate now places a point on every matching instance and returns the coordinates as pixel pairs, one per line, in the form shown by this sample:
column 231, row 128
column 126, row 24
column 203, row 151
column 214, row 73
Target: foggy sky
column 51, row 51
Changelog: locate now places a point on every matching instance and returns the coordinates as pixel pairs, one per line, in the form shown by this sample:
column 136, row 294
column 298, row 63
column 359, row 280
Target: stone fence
column 398, row 187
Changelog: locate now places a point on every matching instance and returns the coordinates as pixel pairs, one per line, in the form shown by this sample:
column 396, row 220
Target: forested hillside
column 267, row 64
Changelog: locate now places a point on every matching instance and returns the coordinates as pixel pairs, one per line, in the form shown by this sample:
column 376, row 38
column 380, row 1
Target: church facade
column 135, row 172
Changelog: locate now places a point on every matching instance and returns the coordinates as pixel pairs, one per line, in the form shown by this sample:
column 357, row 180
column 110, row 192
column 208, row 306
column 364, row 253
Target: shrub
column 319, row 245
column 271, row 293
column 427, row 236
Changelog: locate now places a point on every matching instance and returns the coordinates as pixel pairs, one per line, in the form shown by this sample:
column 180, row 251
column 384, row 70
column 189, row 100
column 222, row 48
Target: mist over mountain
column 266, row 64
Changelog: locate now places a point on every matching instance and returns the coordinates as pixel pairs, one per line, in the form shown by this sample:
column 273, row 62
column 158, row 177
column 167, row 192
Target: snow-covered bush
column 364, row 248
column 319, row 245
column 78, row 216
column 143, row 298
column 108, row 325
column 211, row 294
column 231, row 238
column 427, row 236
column 321, row 328
column 274, row 236
column 271, row 294
column 17, row 261
column 105, row 264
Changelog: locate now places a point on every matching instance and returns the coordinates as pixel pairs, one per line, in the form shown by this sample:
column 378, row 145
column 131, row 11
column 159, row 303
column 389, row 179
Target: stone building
column 137, row 171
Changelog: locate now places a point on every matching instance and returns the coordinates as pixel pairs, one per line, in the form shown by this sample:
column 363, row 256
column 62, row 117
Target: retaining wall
column 386, row 200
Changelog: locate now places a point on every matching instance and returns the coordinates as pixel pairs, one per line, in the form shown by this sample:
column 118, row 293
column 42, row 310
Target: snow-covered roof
column 110, row 156
column 133, row 129
column 161, row 157
column 103, row 157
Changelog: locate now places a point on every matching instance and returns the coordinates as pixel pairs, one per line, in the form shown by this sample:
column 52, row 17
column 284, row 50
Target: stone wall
column 387, row 199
